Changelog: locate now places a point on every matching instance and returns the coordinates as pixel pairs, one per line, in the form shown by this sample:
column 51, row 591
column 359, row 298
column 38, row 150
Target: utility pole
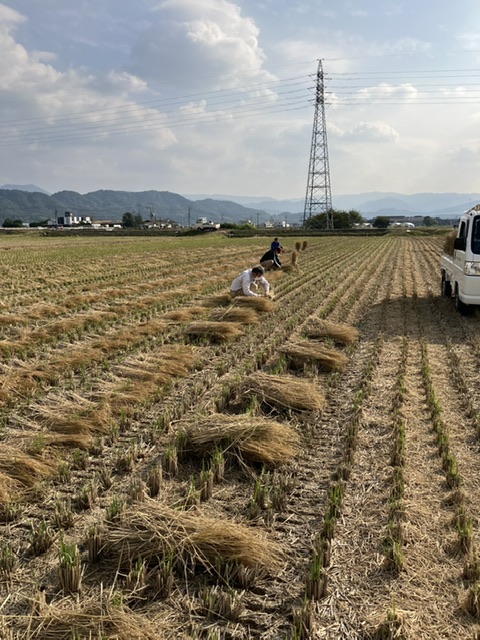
column 258, row 219
column 188, row 216
column 318, row 198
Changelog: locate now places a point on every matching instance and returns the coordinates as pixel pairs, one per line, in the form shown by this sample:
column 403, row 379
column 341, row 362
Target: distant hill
column 24, row 187
column 37, row 205
column 106, row 204
column 370, row 204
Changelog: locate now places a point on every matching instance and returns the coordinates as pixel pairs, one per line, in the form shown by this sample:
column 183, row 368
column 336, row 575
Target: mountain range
column 31, row 203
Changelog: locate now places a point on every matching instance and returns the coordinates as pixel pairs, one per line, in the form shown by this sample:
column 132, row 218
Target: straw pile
column 256, row 439
column 304, row 245
column 341, row 333
column 215, row 331
column 259, row 303
column 23, row 468
column 223, row 300
column 448, row 243
column 183, row 315
column 284, row 391
column 243, row 315
column 294, row 257
column 150, row 530
column 299, row 354
column 92, row 619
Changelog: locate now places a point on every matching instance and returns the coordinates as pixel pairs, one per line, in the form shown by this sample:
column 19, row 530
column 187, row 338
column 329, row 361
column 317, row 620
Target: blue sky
column 215, row 97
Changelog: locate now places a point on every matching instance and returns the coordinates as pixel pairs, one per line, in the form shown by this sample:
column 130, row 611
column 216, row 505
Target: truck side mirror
column 460, row 244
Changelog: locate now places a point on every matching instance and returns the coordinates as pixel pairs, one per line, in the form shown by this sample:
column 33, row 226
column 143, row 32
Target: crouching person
column 248, row 280
column 271, row 259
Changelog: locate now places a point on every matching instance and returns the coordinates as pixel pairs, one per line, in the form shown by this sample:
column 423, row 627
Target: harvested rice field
column 176, row 464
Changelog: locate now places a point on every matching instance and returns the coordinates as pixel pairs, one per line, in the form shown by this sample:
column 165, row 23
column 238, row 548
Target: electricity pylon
column 318, row 198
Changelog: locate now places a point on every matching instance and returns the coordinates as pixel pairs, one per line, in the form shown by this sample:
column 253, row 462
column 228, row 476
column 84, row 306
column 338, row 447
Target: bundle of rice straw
column 22, row 468
column 448, row 243
column 260, row 303
column 243, row 315
column 93, row 619
column 342, row 333
column 216, row 331
column 150, row 530
column 184, row 314
column 255, row 438
column 299, row 354
column 304, row 245
column 285, row 391
column 294, row 257
column 222, row 300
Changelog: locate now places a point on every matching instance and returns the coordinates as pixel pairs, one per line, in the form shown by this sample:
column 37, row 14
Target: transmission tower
column 318, row 198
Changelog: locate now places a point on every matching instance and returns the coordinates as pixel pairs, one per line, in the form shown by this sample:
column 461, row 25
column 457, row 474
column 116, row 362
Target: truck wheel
column 446, row 288
column 460, row 306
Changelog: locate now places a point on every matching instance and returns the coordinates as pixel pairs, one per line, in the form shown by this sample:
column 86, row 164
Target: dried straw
column 448, row 243
column 304, row 245
column 217, row 331
column 294, row 257
column 223, row 300
column 23, row 468
column 255, row 438
column 233, row 314
column 183, row 315
column 94, row 619
column 259, row 303
column 299, row 354
column 150, row 529
column 285, row 391
column 342, row 333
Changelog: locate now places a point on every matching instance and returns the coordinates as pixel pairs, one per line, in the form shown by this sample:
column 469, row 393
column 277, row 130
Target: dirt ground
column 399, row 437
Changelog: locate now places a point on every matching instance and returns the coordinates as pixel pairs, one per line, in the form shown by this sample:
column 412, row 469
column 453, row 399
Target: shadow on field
column 434, row 317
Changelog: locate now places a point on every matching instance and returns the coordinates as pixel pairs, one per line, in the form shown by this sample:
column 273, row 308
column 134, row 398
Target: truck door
column 459, row 254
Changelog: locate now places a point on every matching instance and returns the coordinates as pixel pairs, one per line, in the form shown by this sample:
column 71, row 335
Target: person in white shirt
column 242, row 285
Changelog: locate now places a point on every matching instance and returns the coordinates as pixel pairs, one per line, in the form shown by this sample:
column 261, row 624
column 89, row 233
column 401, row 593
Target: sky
column 218, row 97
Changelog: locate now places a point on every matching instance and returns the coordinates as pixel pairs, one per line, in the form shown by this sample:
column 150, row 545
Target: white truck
column 460, row 268
column 203, row 224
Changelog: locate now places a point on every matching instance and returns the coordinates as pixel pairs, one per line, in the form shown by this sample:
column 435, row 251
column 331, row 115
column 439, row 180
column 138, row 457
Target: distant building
column 68, row 219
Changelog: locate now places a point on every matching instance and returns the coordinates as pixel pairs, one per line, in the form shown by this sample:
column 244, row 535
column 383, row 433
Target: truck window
column 463, row 230
column 476, row 235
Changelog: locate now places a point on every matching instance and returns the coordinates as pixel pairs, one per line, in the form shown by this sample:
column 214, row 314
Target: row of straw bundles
column 286, row 391
column 254, row 438
column 299, row 354
column 150, row 530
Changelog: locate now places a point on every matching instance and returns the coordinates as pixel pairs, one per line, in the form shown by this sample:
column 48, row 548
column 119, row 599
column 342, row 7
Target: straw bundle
column 299, row 354
column 183, row 315
column 304, row 245
column 448, row 243
column 284, row 391
column 342, row 333
column 92, row 620
column 150, row 530
column 234, row 314
column 298, row 246
column 294, row 257
column 259, row 303
column 22, row 468
column 223, row 300
column 256, row 439
column 216, row 331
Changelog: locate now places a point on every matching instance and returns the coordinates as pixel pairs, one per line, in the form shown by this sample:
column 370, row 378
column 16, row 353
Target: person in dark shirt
column 275, row 244
column 271, row 259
